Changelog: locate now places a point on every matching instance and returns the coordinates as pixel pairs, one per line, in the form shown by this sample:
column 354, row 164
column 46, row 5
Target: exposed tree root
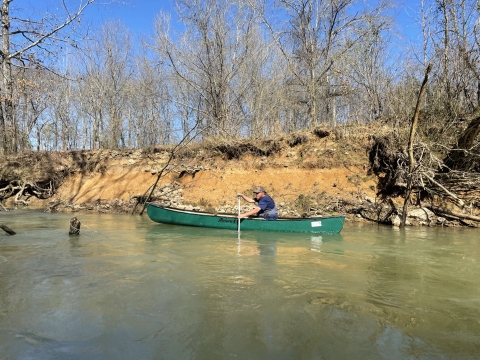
column 429, row 179
column 379, row 212
column 23, row 190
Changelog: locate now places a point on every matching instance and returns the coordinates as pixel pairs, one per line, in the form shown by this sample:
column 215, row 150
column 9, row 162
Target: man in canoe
column 265, row 208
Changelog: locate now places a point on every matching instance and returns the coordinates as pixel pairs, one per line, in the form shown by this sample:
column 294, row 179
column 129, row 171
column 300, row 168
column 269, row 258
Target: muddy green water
column 127, row 288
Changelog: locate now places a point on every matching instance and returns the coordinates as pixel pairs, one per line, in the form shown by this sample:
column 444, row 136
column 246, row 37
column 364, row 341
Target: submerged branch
column 7, row 229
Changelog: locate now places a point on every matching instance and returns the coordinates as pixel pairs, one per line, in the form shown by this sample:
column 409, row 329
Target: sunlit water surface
column 128, row 288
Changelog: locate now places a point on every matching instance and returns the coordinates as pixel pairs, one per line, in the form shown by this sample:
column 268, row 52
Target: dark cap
column 259, row 189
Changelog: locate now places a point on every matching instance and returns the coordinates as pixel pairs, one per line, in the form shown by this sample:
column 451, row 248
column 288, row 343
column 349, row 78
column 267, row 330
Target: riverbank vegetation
column 243, row 79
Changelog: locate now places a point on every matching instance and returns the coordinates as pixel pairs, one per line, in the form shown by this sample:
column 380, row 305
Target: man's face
column 258, row 195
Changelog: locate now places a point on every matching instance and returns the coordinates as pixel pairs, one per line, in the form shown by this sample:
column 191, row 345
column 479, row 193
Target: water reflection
column 133, row 289
column 267, row 247
column 316, row 243
column 266, row 242
column 75, row 242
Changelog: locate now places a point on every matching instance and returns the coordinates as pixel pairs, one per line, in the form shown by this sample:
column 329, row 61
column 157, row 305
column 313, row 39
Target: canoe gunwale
column 205, row 213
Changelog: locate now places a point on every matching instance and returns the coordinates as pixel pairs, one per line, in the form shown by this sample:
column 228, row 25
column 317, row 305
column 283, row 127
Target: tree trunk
column 411, row 162
column 3, row 129
column 7, row 85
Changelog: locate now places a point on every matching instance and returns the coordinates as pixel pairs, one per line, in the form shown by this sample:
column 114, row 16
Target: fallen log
column 442, row 211
column 7, row 229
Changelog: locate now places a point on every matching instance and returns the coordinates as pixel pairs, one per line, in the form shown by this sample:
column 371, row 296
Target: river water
column 128, row 288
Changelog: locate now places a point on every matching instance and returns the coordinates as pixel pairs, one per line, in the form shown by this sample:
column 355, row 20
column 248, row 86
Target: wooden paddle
column 238, row 220
column 238, row 247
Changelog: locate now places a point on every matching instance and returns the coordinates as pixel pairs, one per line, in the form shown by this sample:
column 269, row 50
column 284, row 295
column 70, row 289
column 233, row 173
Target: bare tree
column 150, row 106
column 369, row 73
column 454, row 42
column 209, row 58
column 107, row 70
column 28, row 42
column 34, row 91
column 455, row 91
column 318, row 37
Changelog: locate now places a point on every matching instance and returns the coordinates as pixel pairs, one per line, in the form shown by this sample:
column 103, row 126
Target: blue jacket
column 269, row 209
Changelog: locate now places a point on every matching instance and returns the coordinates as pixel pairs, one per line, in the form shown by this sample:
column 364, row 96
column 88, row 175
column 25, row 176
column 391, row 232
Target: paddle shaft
column 238, row 220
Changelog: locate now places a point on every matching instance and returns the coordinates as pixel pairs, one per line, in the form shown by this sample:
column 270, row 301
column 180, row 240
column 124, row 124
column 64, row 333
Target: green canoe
column 168, row 215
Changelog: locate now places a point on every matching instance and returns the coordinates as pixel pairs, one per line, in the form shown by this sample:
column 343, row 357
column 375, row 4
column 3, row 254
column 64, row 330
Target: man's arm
column 250, row 213
column 247, row 199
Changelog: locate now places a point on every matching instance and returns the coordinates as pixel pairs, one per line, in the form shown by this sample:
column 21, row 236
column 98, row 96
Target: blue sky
column 138, row 15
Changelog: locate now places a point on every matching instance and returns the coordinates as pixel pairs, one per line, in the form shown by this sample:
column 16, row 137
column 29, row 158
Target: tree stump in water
column 74, row 226
column 7, row 229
